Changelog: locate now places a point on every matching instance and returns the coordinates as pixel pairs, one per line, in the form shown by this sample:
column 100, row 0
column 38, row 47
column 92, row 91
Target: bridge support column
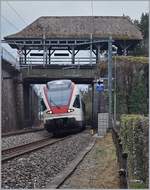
column 27, row 105
column 19, row 102
column 31, row 106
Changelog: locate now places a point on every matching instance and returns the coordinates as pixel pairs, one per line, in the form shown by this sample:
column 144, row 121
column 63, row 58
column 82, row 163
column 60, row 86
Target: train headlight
column 49, row 112
column 70, row 110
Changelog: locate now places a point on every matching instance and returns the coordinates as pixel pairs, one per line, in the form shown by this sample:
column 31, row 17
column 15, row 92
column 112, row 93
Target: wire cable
column 92, row 7
column 16, row 12
column 9, row 22
column 92, row 16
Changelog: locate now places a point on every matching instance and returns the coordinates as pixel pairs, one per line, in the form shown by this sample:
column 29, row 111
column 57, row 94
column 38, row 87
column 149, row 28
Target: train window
column 59, row 85
column 59, row 97
column 76, row 103
column 43, row 107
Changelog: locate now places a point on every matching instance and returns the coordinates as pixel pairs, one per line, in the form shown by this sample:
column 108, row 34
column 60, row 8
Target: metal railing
column 7, row 56
column 56, row 60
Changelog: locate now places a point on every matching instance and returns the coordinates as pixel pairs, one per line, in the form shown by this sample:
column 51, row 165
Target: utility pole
column 110, row 79
column 115, row 91
column 91, row 49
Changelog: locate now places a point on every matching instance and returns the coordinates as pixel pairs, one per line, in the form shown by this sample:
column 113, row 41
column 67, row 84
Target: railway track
column 52, row 159
column 10, row 153
column 60, row 179
column 20, row 132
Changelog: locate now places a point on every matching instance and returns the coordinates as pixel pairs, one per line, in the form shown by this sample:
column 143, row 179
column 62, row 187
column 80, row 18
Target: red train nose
column 59, row 109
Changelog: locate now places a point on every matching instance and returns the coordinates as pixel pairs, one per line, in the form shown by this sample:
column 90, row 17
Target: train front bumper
column 59, row 124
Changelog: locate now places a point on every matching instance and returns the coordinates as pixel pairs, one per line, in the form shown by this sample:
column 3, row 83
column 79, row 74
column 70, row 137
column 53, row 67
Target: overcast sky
column 27, row 12
column 18, row 14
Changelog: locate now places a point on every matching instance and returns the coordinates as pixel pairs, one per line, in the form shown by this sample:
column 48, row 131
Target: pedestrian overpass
column 42, row 44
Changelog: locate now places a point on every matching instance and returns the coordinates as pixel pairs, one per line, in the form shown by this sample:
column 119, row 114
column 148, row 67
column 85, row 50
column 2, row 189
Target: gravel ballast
column 36, row 169
column 16, row 140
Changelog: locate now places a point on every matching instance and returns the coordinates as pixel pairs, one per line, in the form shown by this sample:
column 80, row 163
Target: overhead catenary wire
column 92, row 15
column 10, row 23
column 21, row 18
column 92, row 7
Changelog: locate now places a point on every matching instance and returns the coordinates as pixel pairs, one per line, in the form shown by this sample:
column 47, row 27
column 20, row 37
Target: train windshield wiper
column 54, row 103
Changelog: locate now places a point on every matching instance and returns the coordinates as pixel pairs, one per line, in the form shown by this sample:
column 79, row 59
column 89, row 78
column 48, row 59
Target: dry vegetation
column 99, row 169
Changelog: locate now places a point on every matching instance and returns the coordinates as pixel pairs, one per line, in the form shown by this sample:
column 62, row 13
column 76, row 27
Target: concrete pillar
column 34, row 107
column 12, row 101
column 102, row 105
column 19, row 102
column 26, row 96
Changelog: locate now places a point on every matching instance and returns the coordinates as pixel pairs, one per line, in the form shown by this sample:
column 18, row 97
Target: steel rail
column 8, row 154
column 20, row 132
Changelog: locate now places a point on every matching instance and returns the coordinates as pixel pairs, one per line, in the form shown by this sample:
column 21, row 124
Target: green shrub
column 132, row 132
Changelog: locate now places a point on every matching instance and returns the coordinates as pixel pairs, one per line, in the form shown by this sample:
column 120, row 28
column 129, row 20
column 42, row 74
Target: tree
column 143, row 25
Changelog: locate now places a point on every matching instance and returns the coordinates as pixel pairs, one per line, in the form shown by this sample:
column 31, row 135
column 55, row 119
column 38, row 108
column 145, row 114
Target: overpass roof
column 79, row 27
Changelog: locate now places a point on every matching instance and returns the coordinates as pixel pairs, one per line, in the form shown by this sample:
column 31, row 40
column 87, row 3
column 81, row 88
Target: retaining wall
column 10, row 117
column 13, row 95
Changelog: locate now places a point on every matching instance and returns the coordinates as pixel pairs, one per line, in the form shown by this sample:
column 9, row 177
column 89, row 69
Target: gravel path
column 98, row 170
column 9, row 142
column 36, row 169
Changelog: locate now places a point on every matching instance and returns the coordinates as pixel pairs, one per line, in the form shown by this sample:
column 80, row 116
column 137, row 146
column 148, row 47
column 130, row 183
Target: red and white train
column 64, row 109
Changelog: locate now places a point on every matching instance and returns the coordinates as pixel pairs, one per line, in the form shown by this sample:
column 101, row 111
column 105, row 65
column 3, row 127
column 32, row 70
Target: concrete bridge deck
column 80, row 74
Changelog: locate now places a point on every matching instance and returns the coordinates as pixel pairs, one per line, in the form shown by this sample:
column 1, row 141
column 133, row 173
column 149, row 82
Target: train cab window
column 76, row 103
column 43, row 107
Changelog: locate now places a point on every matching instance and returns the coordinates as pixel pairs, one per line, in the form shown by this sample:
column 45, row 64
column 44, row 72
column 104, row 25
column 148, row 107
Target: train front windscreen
column 59, row 97
column 59, row 93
